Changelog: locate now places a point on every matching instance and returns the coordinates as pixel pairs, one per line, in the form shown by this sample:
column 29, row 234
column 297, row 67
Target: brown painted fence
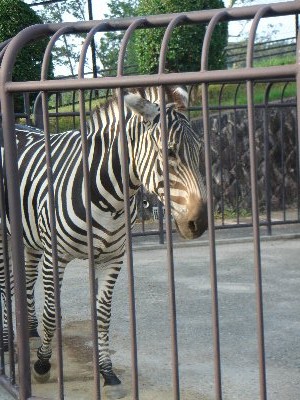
column 19, row 383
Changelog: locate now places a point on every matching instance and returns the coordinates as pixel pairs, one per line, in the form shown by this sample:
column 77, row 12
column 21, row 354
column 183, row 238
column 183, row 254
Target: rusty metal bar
column 237, row 186
column 125, row 179
column 216, row 76
column 91, row 258
column 298, row 112
column 52, row 212
column 86, row 173
column 5, row 249
column 161, row 231
column 167, row 200
column 129, row 255
column 267, row 161
column 283, row 169
column 255, row 209
column 13, row 188
column 210, row 210
column 221, row 153
column 235, row 13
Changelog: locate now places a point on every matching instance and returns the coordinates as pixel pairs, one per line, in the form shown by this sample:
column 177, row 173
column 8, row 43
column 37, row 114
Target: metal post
column 93, row 45
column 267, row 162
column 13, row 188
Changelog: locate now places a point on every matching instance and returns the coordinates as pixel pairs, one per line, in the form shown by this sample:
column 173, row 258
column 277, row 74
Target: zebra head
column 187, row 189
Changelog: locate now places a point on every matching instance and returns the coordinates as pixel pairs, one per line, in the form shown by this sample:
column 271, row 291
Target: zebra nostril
column 192, row 226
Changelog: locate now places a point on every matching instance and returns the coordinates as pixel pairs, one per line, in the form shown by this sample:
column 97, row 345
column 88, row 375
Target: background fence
column 276, row 141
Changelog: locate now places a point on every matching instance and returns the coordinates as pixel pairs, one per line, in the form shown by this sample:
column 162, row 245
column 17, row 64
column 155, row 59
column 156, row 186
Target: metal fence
column 263, row 51
column 276, row 136
column 15, row 376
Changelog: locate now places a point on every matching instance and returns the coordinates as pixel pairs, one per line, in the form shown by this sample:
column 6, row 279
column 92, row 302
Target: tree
column 66, row 51
column 15, row 16
column 110, row 42
column 232, row 3
column 184, row 52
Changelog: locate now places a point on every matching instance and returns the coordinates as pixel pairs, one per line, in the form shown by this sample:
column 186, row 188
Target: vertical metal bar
column 7, row 273
column 256, row 241
column 89, row 226
column 142, row 209
column 169, row 241
column 212, row 246
column 55, row 264
column 283, row 168
column 56, row 94
column 52, row 211
column 221, row 154
column 2, row 361
column 18, row 260
column 73, row 108
column 27, row 107
column 129, row 256
column 236, row 162
column 125, row 179
column 298, row 121
column 255, row 209
column 267, row 161
column 160, row 211
column 282, row 158
column 93, row 46
column 167, row 199
column 210, row 209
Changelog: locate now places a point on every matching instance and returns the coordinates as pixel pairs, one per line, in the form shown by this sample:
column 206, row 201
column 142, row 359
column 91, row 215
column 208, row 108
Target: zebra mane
column 175, row 96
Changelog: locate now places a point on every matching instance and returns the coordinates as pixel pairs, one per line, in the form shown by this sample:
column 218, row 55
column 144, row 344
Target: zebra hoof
column 41, row 371
column 113, row 392
column 5, row 347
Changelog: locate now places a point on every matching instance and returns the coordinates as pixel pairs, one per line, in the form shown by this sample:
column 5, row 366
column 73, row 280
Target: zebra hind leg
column 32, row 258
column 6, row 294
column 106, row 280
column 42, row 367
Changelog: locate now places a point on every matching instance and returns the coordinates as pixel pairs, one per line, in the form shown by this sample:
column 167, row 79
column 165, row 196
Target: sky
column 268, row 29
column 285, row 26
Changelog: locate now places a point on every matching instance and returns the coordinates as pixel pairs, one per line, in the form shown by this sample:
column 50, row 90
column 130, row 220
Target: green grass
column 234, row 94
column 229, row 95
column 273, row 61
column 65, row 123
column 230, row 213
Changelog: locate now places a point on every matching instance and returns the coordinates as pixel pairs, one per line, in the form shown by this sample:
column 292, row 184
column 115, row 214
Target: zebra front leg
column 32, row 259
column 6, row 294
column 42, row 366
column 106, row 281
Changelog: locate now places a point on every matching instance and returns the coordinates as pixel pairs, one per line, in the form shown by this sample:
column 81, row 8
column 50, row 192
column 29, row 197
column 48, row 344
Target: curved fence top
column 195, row 17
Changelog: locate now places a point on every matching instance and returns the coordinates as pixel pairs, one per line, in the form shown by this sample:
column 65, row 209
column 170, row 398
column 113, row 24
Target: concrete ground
column 281, row 283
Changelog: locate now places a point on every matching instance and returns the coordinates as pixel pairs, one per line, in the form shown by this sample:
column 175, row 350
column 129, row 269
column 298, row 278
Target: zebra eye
column 171, row 152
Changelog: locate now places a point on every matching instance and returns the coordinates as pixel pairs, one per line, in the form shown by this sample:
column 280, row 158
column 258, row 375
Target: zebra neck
column 105, row 158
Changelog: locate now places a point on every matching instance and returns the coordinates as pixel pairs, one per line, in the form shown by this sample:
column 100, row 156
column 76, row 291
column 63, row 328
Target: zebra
column 143, row 130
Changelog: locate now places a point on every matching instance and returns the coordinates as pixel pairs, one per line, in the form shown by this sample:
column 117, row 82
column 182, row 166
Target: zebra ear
column 180, row 97
column 141, row 106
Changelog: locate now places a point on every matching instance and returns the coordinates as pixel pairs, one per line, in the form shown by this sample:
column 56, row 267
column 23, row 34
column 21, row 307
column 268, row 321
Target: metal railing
column 21, row 387
column 275, row 108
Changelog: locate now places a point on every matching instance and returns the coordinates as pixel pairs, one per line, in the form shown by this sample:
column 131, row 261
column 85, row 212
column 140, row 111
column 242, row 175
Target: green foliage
column 66, row 52
column 14, row 16
column 110, row 42
column 184, row 52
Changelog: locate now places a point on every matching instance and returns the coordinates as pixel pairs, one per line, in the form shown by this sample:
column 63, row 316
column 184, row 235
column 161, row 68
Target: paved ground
column 281, row 279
